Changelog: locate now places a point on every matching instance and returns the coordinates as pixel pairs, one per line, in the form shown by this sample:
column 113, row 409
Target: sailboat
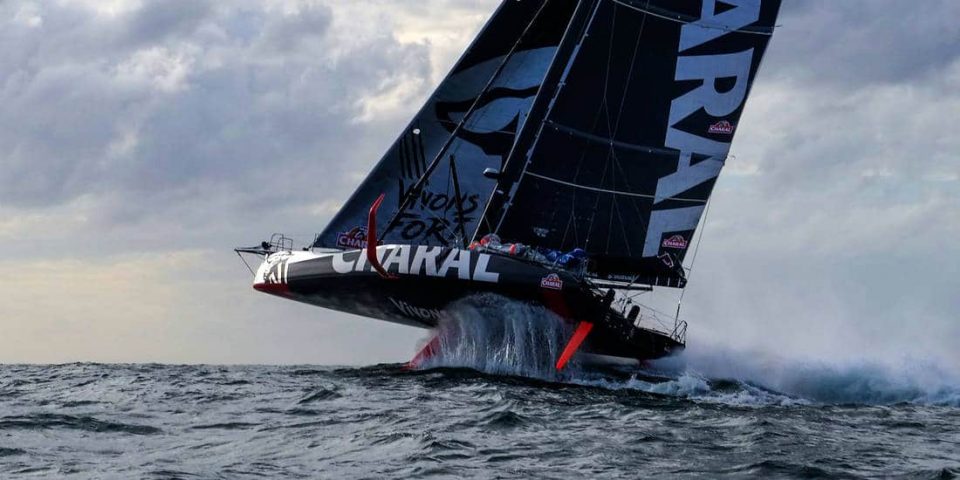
column 567, row 158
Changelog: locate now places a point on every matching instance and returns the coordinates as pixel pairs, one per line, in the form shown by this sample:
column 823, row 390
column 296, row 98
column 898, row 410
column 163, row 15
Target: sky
column 140, row 141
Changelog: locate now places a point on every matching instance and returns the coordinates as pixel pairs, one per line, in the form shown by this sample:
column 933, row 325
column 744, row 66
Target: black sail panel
column 625, row 158
column 517, row 45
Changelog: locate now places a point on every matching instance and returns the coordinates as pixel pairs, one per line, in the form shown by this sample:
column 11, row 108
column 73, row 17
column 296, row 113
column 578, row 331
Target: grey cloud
column 228, row 103
column 158, row 21
column 858, row 43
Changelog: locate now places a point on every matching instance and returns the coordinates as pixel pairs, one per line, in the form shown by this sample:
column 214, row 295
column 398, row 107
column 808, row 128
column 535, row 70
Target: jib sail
column 490, row 90
column 623, row 157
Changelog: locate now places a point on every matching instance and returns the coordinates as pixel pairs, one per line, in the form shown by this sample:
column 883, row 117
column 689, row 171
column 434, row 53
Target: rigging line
column 613, row 192
column 693, row 259
column 558, row 88
column 605, row 108
column 613, row 206
column 576, row 173
column 623, row 230
column 636, row 208
column 616, row 128
column 404, row 204
column 583, row 154
column 759, row 30
column 244, row 260
column 570, row 222
column 633, row 63
column 593, row 214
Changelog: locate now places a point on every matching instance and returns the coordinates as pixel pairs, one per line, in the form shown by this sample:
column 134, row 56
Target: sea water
column 488, row 406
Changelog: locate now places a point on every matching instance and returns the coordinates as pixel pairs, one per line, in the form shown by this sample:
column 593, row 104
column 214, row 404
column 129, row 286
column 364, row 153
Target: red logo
column 722, row 127
column 552, row 282
column 676, row 241
column 355, row 238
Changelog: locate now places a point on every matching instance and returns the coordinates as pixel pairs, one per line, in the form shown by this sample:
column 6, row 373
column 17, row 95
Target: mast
column 569, row 46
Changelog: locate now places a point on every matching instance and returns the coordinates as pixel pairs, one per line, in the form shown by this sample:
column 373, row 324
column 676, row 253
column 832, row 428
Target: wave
column 42, row 421
column 495, row 335
column 765, row 378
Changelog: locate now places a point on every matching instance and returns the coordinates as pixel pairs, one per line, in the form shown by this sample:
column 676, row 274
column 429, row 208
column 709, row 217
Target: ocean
column 490, row 405
column 384, row 421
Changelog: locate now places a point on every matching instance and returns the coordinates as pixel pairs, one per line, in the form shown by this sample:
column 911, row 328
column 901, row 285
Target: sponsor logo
column 275, row 268
column 552, row 282
column 420, row 260
column 722, row 127
column 676, row 241
column 413, row 311
column 355, row 238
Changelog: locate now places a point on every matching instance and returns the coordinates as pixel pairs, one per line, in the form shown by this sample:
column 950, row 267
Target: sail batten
column 611, row 192
column 610, row 141
column 678, row 17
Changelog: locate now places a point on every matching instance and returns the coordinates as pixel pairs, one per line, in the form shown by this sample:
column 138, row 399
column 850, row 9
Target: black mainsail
column 623, row 160
column 607, row 120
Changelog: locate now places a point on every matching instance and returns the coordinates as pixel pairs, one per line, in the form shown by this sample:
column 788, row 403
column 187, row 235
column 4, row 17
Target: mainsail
column 623, row 157
column 517, row 46
column 606, row 123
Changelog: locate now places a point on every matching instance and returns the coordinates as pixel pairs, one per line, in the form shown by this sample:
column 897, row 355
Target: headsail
column 518, row 44
column 623, row 157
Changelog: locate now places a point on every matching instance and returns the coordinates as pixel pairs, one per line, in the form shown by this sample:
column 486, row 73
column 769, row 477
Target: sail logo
column 676, row 241
column 274, row 270
column 722, row 127
column 700, row 159
column 412, row 311
column 355, row 238
column 420, row 260
column 552, row 281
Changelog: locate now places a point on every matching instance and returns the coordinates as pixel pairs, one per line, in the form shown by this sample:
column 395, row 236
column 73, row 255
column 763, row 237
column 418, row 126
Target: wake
column 495, row 335
column 764, row 378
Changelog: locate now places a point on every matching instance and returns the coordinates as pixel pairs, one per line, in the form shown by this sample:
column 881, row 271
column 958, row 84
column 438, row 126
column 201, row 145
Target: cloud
column 166, row 98
column 141, row 140
column 860, row 43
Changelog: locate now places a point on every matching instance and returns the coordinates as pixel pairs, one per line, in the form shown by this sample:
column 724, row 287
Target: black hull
column 428, row 279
